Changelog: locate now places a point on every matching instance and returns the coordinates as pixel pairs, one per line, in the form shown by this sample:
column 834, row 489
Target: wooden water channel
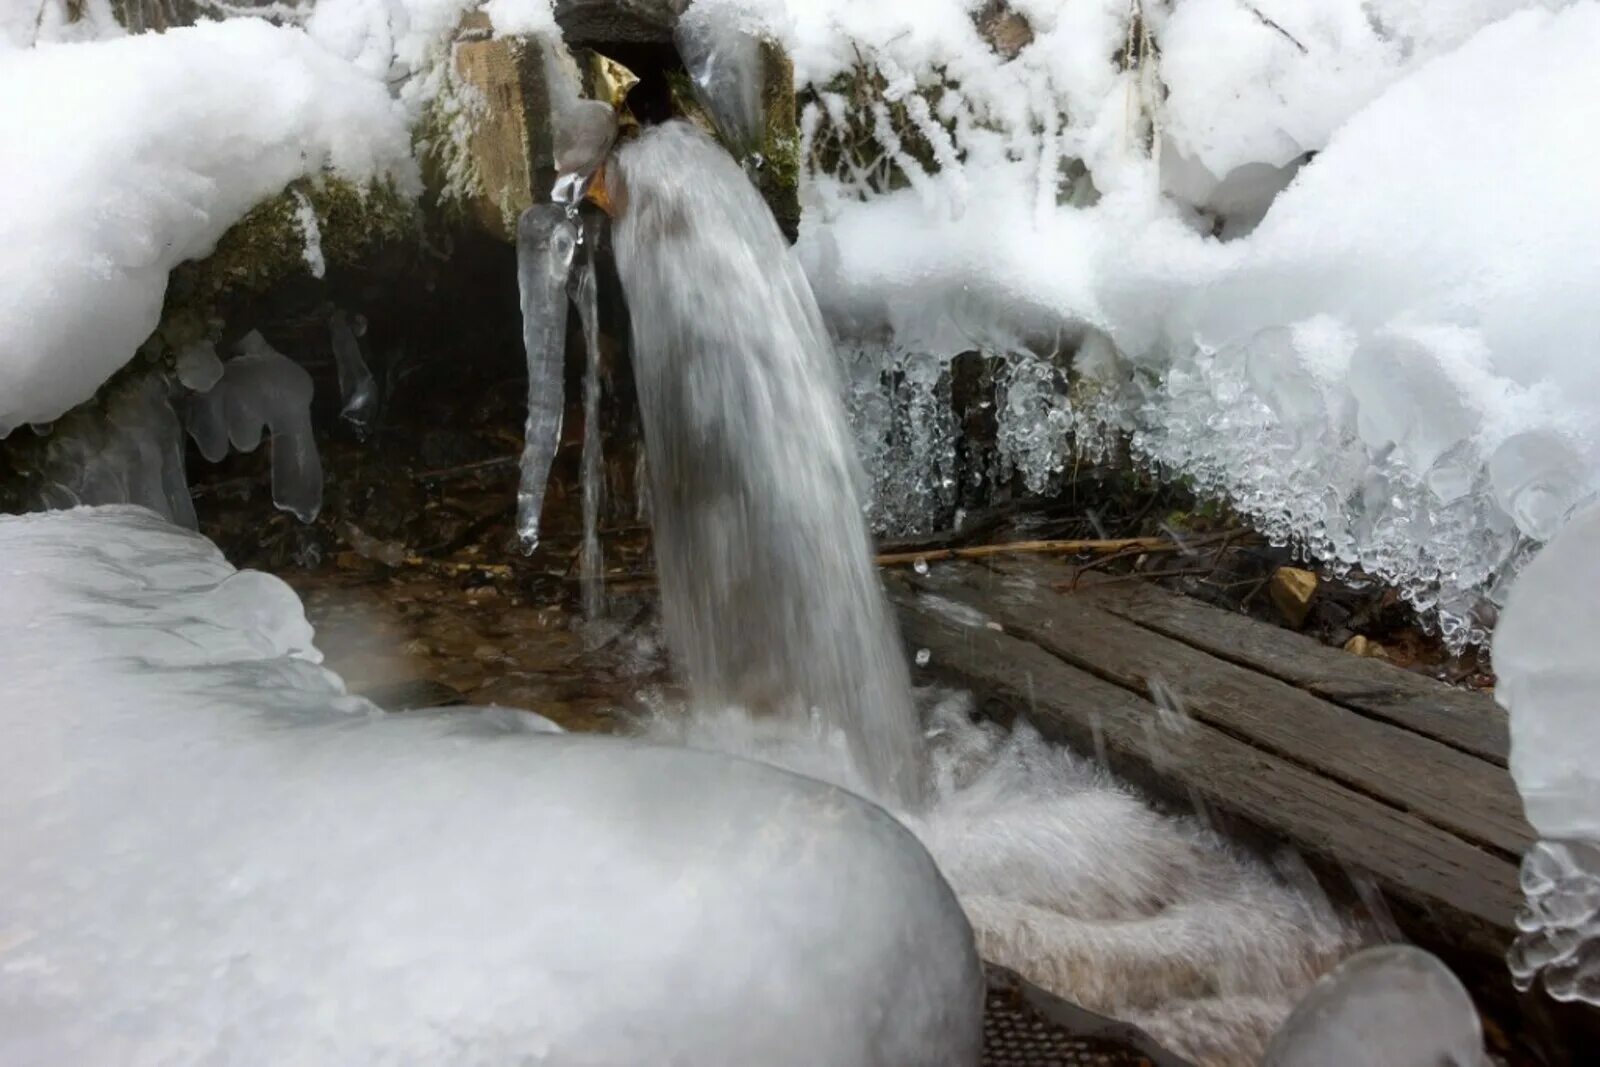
column 1393, row 787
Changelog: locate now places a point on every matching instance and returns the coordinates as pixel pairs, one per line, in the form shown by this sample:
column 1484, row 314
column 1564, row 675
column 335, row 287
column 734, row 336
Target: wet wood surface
column 1376, row 776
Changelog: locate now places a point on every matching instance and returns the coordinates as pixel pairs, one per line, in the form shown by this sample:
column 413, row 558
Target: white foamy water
column 1072, row 880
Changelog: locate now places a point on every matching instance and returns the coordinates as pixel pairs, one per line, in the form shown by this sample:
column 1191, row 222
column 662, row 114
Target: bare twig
column 447, row 473
column 1143, row 544
column 1274, row 26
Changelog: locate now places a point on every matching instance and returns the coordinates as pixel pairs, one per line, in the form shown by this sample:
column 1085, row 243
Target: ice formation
column 723, row 57
column 262, row 390
column 141, row 152
column 358, row 390
column 1391, row 1006
column 769, row 593
column 131, row 452
column 1385, row 361
column 212, row 851
column 1544, row 657
column 546, row 241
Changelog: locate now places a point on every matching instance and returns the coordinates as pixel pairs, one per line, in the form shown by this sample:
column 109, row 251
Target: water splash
column 769, row 594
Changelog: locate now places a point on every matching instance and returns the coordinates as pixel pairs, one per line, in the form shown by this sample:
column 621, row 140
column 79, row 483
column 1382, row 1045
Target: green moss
column 267, row 245
column 779, row 178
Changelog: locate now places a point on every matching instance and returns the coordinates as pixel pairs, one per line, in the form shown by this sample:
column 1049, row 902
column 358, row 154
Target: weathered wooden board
column 1471, row 722
column 1468, row 796
column 1449, row 881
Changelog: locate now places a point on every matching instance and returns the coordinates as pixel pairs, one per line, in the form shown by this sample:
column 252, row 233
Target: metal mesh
column 1023, row 1026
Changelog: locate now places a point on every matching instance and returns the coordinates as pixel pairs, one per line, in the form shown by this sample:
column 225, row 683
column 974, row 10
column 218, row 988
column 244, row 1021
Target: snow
column 129, row 156
column 521, row 16
column 213, row 852
column 1331, row 259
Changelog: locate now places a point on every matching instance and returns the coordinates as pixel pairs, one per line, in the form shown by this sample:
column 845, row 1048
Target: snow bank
column 212, row 852
column 129, row 156
column 1383, row 355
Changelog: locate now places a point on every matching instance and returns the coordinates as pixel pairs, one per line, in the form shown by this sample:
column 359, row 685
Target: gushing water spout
column 769, row 595
column 546, row 239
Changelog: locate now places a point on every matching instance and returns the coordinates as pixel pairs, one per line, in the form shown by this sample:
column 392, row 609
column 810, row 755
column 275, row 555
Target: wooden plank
column 1472, row 722
column 1453, row 790
column 1450, row 884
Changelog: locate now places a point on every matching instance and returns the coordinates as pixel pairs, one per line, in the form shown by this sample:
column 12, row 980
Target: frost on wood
column 210, row 846
column 1544, row 657
column 263, row 391
column 546, row 242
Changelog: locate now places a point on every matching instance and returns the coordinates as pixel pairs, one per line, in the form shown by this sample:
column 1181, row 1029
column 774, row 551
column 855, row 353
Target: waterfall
column 770, row 598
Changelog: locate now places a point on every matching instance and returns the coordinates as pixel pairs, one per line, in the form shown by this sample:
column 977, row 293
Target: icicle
column 263, row 390
column 546, row 239
column 133, row 455
column 724, row 63
column 583, row 291
column 357, row 387
column 198, row 366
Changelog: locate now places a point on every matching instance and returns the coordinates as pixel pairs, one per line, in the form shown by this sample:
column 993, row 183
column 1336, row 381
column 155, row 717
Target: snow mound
column 129, row 156
column 212, row 851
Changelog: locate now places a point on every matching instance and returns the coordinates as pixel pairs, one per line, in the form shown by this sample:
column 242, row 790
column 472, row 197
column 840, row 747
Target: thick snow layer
column 125, row 157
column 211, row 852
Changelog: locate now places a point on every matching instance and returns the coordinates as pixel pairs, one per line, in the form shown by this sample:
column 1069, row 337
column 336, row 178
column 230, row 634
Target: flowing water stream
column 769, row 594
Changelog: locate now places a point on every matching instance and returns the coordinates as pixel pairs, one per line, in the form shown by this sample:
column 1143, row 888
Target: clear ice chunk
column 724, row 62
column 546, row 241
column 1390, row 1006
column 1537, row 478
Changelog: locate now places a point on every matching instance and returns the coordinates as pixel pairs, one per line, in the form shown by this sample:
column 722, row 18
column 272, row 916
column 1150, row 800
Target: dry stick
column 1123, row 544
